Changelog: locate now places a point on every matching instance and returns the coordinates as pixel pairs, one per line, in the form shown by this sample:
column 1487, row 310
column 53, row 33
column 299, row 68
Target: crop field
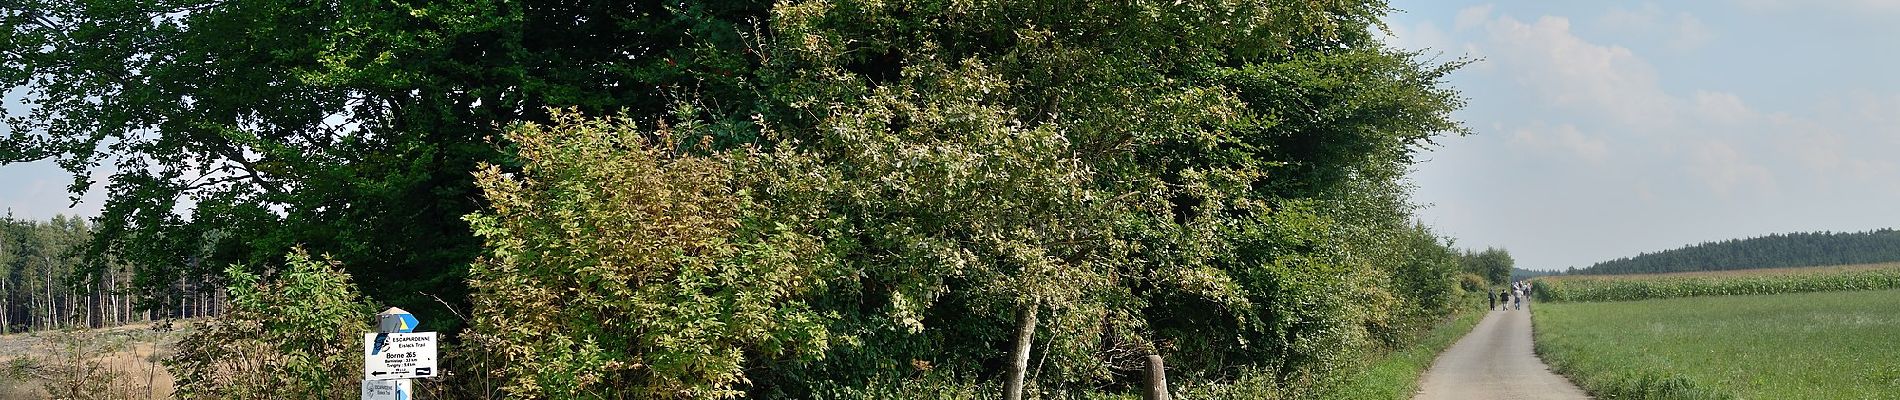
column 1825, row 269
column 1828, row 345
column 1741, row 282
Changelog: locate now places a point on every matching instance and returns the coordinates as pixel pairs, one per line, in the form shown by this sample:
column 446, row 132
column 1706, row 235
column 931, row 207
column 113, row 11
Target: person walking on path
column 1493, row 297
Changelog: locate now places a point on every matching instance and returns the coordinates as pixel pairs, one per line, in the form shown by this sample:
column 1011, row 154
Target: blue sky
column 1609, row 128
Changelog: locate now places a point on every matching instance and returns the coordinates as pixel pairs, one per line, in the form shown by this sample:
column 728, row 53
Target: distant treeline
column 46, row 283
column 1518, row 274
column 1772, row 251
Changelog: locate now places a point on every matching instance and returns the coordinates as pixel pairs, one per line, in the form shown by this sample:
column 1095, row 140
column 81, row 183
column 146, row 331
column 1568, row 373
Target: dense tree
column 348, row 126
column 1494, row 264
column 1036, row 193
column 1772, row 251
column 1029, row 190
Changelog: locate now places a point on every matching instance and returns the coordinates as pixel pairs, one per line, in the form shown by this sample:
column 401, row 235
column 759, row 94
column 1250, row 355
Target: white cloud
column 1768, row 6
column 1849, row 141
column 1472, row 17
column 1424, row 36
column 1575, row 73
column 1727, row 170
column 1682, row 30
column 1646, row 17
column 1564, row 138
column 1690, row 32
column 1722, row 107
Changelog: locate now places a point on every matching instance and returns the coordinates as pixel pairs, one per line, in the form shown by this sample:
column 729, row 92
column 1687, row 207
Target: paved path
column 1495, row 361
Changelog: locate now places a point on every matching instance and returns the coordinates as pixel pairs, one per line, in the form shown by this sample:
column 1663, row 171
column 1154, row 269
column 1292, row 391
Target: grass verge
column 1828, row 345
column 1395, row 375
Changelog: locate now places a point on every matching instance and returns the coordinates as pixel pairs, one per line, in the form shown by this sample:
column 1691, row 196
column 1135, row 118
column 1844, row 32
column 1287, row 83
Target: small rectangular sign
column 399, row 355
column 400, row 389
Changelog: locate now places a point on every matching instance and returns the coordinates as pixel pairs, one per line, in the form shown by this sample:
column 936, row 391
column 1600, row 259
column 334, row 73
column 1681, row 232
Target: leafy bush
column 620, row 263
column 295, row 333
column 1472, row 283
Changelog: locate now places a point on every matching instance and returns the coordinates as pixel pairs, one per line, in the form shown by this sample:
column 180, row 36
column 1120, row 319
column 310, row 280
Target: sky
column 1605, row 129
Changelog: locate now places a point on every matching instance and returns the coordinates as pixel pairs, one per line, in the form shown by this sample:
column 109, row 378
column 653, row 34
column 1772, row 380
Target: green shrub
column 622, row 266
column 293, row 334
column 1472, row 283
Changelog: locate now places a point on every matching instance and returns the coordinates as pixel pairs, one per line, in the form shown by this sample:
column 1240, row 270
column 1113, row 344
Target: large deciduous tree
column 231, row 130
column 1037, row 192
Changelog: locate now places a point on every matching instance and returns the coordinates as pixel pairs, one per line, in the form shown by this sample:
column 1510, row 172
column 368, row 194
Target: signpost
column 398, row 355
column 395, row 355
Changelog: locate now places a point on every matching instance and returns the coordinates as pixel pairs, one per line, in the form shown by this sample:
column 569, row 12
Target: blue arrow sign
column 395, row 320
column 408, row 323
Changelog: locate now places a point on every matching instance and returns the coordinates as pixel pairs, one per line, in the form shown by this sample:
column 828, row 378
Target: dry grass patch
column 113, row 363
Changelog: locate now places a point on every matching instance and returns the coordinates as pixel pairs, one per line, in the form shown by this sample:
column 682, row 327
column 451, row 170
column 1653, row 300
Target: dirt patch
column 113, row 363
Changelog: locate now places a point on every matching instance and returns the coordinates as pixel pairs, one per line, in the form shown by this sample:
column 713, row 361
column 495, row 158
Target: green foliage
column 346, row 127
column 622, row 267
column 1583, row 288
column 1115, row 167
column 1772, row 251
column 1785, row 346
column 1472, row 283
column 827, row 193
column 39, row 265
column 1494, row 264
column 295, row 333
column 929, row 386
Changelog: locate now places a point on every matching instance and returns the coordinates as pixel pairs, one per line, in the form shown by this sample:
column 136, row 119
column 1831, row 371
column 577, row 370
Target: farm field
column 1823, row 269
column 1826, row 345
column 1717, row 283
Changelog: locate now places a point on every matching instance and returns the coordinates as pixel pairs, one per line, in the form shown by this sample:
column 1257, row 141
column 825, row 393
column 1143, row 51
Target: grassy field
column 1827, row 345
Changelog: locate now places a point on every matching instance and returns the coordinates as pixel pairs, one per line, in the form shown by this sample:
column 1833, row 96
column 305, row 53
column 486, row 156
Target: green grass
column 1829, row 345
column 1395, row 375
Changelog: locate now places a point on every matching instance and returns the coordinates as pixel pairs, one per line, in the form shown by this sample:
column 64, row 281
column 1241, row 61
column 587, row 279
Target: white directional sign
column 399, row 355
column 400, row 389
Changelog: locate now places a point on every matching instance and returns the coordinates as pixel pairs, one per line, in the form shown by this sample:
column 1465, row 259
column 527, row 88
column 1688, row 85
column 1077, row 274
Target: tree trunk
column 6, row 307
column 1019, row 357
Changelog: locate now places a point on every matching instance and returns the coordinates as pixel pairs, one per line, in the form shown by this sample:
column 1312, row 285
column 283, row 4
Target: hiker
column 1504, row 295
column 1519, row 294
column 1493, row 297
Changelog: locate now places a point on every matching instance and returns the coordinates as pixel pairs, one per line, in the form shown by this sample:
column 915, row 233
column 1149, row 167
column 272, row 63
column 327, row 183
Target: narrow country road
column 1495, row 361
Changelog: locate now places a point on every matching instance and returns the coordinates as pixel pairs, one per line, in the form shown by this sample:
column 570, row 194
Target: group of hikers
column 1513, row 297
